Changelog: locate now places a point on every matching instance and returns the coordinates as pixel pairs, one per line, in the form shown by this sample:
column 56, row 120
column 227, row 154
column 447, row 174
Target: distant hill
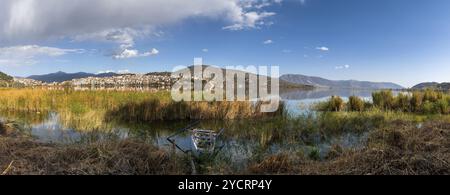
column 284, row 85
column 6, row 80
column 159, row 74
column 62, row 76
column 321, row 82
column 5, row 77
column 433, row 85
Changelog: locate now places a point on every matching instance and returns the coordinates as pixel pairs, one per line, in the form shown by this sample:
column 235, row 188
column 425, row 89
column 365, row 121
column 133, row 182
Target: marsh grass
column 399, row 148
column 89, row 109
column 126, row 157
column 426, row 102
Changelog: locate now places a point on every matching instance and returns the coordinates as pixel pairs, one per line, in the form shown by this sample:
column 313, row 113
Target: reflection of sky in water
column 299, row 102
column 51, row 130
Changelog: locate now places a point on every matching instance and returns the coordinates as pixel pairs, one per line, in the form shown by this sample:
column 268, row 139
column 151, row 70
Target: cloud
column 250, row 20
column 205, row 50
column 323, row 48
column 120, row 21
column 126, row 71
column 286, row 51
column 27, row 54
column 41, row 19
column 132, row 53
column 29, row 51
column 266, row 42
column 342, row 67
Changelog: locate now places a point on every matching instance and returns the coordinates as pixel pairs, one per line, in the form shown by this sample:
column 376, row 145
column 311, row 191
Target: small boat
column 204, row 141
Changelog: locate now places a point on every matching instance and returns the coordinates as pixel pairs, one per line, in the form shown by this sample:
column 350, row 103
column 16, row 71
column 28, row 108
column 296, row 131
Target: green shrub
column 383, row 99
column 416, row 101
column 403, row 103
column 428, row 108
column 441, row 106
column 432, row 95
column 336, row 104
column 355, row 104
column 314, row 154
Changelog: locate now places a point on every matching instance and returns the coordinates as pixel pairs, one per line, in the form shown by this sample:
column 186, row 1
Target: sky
column 401, row 41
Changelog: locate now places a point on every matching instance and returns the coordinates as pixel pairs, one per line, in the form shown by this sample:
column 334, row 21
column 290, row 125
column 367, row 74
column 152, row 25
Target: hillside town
column 127, row 80
column 29, row 82
column 133, row 80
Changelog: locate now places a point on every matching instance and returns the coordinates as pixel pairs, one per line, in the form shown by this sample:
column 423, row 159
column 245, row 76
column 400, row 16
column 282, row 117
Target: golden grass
column 94, row 107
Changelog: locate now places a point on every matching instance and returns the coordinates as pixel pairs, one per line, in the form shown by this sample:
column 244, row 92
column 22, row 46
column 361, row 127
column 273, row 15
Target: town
column 157, row 80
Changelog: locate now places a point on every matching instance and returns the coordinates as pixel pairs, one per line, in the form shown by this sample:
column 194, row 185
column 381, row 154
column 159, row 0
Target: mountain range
column 433, row 85
column 321, row 82
column 288, row 80
column 62, row 76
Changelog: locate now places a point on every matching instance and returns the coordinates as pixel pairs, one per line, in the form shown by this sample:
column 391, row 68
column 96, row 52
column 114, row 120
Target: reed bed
column 130, row 106
column 420, row 102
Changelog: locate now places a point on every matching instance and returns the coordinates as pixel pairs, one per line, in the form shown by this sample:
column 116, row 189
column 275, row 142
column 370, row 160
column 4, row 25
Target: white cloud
column 120, row 21
column 205, row 50
column 29, row 51
column 286, row 51
column 250, row 20
column 152, row 52
column 126, row 71
column 105, row 71
column 266, row 42
column 323, row 48
column 27, row 54
column 132, row 53
column 342, row 67
column 38, row 19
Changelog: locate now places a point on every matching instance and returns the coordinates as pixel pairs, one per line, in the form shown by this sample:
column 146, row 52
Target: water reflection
column 323, row 93
column 299, row 102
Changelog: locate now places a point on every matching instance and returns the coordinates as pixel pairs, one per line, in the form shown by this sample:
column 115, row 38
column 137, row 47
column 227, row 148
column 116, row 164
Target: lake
column 237, row 146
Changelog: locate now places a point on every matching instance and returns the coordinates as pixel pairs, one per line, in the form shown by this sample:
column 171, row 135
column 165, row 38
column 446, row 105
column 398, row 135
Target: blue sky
column 402, row 41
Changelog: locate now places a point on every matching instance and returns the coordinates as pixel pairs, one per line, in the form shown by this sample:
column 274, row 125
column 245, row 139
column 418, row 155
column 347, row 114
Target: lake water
column 48, row 127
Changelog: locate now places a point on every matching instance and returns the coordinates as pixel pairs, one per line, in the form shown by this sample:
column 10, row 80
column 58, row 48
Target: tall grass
column 419, row 102
column 130, row 106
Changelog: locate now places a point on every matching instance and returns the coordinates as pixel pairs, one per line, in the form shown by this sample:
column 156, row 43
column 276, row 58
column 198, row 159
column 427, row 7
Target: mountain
column 321, row 82
column 6, row 78
column 62, row 76
column 433, row 85
column 284, row 85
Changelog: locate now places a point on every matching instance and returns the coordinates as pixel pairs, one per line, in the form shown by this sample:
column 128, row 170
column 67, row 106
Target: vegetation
column 401, row 148
column 393, row 146
column 419, row 102
column 24, row 156
column 130, row 106
column 334, row 104
column 355, row 104
column 403, row 134
column 5, row 77
column 5, row 80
